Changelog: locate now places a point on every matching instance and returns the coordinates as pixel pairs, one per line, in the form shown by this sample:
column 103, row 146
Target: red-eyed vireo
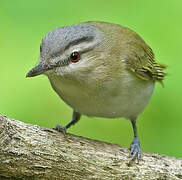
column 100, row 69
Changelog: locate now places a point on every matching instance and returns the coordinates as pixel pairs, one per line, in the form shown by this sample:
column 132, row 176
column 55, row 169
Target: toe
column 60, row 129
column 134, row 154
column 135, row 149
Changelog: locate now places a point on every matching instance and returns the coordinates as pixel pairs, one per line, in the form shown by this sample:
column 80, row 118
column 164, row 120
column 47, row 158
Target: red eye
column 75, row 57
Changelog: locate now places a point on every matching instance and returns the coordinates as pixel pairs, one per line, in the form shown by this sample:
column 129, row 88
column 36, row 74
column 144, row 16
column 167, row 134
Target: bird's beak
column 37, row 70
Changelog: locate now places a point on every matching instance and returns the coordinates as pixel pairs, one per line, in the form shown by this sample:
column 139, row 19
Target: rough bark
column 32, row 152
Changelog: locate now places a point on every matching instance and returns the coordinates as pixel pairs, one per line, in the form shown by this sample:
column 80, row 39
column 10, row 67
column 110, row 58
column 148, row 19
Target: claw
column 134, row 154
column 60, row 129
column 135, row 149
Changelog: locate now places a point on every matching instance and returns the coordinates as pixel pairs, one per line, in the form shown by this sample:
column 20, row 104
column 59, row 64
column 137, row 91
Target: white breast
column 125, row 96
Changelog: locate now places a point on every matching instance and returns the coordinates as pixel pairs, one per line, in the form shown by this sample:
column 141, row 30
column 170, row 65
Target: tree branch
column 32, row 152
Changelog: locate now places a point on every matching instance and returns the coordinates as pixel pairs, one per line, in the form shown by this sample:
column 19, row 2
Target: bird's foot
column 61, row 129
column 135, row 149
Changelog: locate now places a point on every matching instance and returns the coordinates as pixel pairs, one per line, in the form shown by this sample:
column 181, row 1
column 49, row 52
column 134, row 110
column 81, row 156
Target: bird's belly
column 109, row 99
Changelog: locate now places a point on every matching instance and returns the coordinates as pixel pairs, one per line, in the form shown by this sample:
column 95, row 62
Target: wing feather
column 142, row 61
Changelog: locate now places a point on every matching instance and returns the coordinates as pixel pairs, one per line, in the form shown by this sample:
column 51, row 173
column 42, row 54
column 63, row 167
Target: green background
column 24, row 23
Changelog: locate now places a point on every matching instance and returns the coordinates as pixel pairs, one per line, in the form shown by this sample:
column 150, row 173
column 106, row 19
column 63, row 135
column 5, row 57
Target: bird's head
column 68, row 49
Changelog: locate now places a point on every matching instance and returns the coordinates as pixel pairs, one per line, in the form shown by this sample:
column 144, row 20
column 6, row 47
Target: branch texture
column 32, row 152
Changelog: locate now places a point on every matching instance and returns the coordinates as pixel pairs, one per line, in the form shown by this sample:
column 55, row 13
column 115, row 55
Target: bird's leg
column 135, row 145
column 75, row 118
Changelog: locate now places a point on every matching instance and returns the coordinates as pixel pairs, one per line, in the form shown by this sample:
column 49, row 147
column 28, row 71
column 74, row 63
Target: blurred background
column 23, row 24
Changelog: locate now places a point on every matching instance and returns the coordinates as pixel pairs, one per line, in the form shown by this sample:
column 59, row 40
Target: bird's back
column 132, row 50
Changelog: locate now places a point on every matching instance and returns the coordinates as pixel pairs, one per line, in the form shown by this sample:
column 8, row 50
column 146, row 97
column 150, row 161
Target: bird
column 100, row 69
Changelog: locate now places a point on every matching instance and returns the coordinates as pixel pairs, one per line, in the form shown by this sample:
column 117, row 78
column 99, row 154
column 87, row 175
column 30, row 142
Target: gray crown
column 57, row 40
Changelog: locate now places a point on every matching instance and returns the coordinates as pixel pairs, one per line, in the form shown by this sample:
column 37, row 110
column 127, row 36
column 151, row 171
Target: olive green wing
column 142, row 62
